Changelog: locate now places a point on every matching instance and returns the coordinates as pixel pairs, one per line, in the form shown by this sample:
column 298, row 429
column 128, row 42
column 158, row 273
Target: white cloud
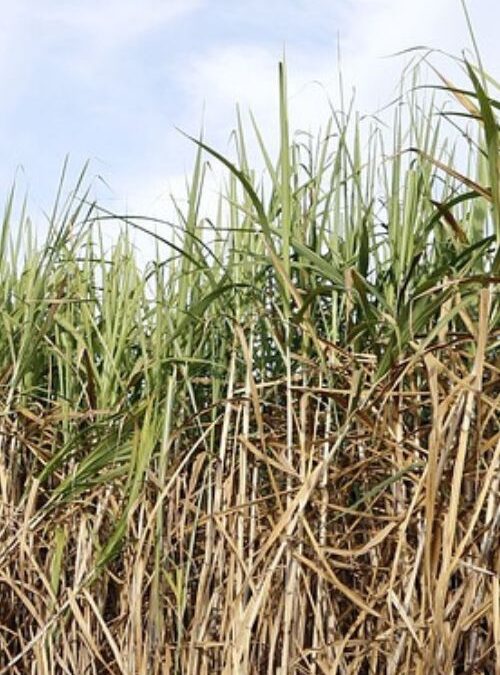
column 86, row 36
column 247, row 75
column 114, row 23
column 375, row 29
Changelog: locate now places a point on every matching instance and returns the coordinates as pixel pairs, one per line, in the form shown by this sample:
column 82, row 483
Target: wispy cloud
column 111, row 79
column 39, row 38
column 246, row 75
column 114, row 23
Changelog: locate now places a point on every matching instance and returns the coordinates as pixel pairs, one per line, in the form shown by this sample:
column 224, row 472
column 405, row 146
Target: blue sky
column 109, row 80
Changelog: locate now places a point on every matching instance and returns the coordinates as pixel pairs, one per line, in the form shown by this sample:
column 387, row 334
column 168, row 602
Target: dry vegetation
column 276, row 452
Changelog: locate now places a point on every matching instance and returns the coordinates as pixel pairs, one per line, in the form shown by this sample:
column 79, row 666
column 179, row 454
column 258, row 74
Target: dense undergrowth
column 275, row 449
